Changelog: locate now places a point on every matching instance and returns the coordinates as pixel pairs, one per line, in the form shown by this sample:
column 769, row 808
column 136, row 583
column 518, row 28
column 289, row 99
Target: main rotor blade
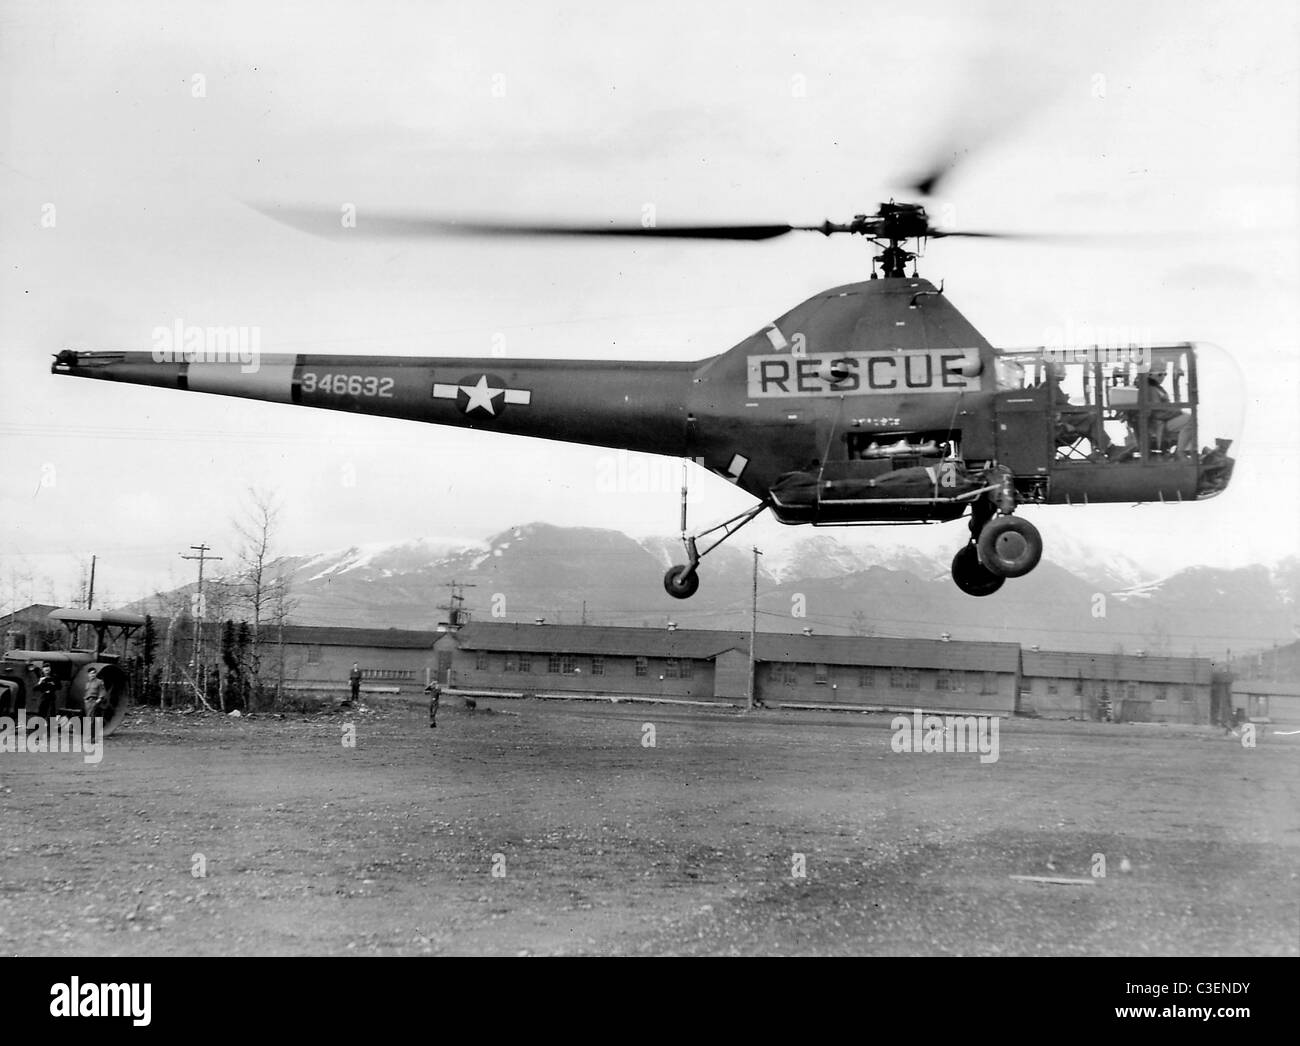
column 398, row 225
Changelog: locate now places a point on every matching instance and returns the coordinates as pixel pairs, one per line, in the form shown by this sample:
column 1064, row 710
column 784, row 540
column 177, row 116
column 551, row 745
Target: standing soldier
column 47, row 687
column 354, row 677
column 435, row 693
column 94, row 699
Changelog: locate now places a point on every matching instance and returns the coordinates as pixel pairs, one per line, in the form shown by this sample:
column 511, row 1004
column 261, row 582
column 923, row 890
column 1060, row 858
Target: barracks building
column 797, row 671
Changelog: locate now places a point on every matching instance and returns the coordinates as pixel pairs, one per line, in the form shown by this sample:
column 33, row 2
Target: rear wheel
column 971, row 576
column 1009, row 546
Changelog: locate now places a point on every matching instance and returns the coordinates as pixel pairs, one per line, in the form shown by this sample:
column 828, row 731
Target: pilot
column 1177, row 423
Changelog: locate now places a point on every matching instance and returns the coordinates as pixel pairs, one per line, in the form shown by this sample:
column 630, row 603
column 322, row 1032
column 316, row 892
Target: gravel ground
column 544, row 828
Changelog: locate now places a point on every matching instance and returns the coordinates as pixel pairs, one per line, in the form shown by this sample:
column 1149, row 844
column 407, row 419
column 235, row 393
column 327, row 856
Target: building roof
column 1267, row 687
column 322, row 635
column 1062, row 664
column 28, row 613
column 704, row 644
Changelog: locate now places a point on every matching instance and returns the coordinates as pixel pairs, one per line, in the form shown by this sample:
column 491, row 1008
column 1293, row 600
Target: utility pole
column 753, row 630
column 202, row 557
column 457, row 615
column 90, row 594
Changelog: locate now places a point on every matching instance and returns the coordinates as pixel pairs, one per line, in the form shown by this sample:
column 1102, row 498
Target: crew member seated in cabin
column 1074, row 422
column 1167, row 427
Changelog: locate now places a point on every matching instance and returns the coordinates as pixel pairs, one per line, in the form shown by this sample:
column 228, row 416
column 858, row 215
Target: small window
column 1053, row 688
column 670, row 668
column 553, row 663
column 481, row 660
column 597, row 666
column 512, row 663
column 897, row 678
column 1131, row 692
column 791, row 674
column 525, row 662
column 1162, row 693
column 821, row 674
column 642, row 667
column 313, row 655
column 1187, row 694
column 866, row 678
column 913, row 679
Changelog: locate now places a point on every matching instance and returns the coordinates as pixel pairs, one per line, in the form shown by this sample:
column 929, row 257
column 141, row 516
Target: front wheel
column 1009, row 546
column 971, row 576
column 679, row 584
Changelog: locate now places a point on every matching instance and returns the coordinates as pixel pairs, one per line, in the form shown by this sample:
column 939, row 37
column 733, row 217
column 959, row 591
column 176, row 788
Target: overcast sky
column 1134, row 118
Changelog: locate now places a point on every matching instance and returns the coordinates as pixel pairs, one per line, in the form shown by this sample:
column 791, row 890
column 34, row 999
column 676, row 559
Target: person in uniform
column 47, row 689
column 96, row 697
column 435, row 695
column 354, row 678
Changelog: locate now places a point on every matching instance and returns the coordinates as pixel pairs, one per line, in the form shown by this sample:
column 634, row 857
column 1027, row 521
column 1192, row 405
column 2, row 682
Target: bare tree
column 282, row 606
column 264, row 589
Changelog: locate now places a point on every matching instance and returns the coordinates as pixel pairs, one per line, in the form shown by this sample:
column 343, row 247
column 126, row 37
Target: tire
column 680, row 587
column 971, row 576
column 1009, row 546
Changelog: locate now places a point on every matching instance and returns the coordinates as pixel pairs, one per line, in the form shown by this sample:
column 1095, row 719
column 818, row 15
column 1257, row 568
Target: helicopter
column 875, row 402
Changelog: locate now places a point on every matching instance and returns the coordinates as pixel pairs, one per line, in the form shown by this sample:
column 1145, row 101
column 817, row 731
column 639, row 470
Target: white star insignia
column 481, row 395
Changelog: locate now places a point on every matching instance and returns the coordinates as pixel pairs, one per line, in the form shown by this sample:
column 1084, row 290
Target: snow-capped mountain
column 1078, row 597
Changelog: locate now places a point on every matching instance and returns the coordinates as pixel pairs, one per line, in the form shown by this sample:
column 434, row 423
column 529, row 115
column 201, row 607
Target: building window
column 905, row 678
column 866, row 678
column 670, row 668
column 525, row 662
column 563, row 664
column 1078, row 688
column 953, row 682
column 821, row 674
column 512, row 663
column 597, row 666
column 688, row 668
column 1187, row 693
column 1131, row 692
column 480, row 660
column 790, row 674
column 1162, row 692
column 313, row 655
column 896, row 678
column 642, row 668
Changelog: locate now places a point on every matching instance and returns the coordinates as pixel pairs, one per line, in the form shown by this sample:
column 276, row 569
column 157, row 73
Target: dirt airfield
column 546, row 828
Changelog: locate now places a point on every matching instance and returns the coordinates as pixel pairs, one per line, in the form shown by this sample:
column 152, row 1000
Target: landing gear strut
column 1001, row 545
column 682, row 582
